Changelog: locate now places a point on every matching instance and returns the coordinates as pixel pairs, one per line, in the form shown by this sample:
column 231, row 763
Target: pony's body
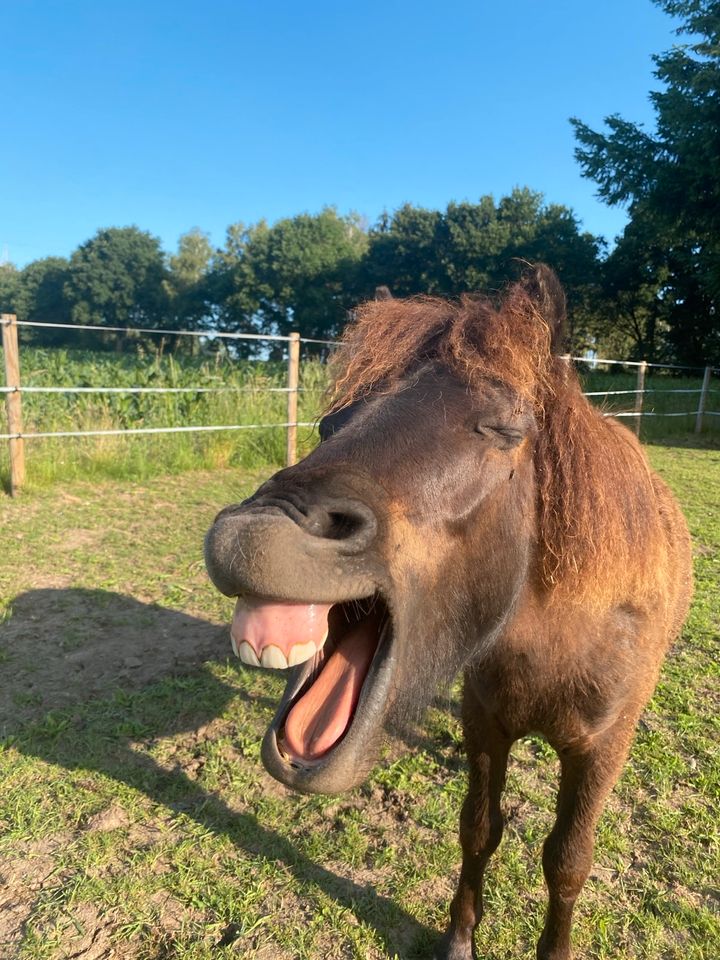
column 580, row 673
column 494, row 522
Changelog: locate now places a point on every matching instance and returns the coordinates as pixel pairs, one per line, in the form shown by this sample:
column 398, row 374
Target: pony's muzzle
column 311, row 552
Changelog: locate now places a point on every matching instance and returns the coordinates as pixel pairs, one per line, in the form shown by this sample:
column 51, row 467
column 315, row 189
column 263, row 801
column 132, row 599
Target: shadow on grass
column 707, row 440
column 98, row 720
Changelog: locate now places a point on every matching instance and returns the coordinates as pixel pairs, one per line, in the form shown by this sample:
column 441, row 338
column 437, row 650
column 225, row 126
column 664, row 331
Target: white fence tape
column 602, row 361
column 217, row 334
column 135, row 430
column 643, row 413
column 617, row 393
column 24, row 389
column 209, row 334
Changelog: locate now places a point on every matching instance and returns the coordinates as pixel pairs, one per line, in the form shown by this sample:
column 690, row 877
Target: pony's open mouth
column 336, row 650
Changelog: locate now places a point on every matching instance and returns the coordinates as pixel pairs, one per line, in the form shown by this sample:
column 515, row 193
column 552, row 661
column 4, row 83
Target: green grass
column 245, row 399
column 135, row 814
column 247, row 402
column 660, row 398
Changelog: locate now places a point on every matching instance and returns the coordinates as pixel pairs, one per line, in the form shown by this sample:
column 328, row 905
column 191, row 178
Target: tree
column 670, row 179
column 42, row 299
column 550, row 233
column 476, row 238
column 116, row 279
column 481, row 246
column 304, row 266
column 633, row 318
column 9, row 288
column 297, row 274
column 187, row 283
column 232, row 283
column 403, row 253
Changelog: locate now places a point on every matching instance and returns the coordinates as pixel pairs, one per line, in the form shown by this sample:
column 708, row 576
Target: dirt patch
column 29, row 875
column 23, row 877
column 63, row 646
column 112, row 818
column 171, row 914
column 87, row 935
column 79, row 538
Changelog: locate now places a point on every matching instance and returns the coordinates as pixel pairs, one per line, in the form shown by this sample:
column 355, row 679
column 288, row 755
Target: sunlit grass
column 142, row 814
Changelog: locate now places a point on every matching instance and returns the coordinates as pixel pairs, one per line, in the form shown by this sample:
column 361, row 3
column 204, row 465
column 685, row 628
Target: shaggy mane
column 595, row 493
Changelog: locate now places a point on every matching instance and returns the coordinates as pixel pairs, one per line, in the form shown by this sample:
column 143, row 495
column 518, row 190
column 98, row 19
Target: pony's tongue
column 281, row 635
column 278, row 635
column 320, row 718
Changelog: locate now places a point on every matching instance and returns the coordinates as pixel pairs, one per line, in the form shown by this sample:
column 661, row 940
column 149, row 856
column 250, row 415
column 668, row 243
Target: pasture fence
column 14, row 389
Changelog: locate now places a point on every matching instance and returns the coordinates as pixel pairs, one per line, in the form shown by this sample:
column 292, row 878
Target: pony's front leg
column 481, row 827
column 586, row 779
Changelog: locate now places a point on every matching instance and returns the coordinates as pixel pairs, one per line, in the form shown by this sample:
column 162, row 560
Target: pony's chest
column 578, row 675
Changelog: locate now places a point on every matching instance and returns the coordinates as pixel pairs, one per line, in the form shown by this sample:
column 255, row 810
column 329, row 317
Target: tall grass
column 245, row 400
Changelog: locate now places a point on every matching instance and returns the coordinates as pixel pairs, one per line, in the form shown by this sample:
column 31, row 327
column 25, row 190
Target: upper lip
column 250, row 550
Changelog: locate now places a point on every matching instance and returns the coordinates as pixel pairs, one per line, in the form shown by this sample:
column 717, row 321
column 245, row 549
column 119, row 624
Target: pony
column 466, row 510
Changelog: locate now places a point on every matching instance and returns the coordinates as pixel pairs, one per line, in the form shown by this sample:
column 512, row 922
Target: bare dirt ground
column 64, row 645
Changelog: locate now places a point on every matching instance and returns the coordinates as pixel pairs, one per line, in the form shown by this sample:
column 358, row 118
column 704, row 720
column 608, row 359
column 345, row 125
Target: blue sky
column 176, row 115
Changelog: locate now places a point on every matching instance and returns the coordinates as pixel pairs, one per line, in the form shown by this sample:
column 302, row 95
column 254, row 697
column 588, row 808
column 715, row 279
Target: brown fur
column 587, row 525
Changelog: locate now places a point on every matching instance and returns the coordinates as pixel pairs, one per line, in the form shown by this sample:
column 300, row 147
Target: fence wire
column 593, row 362
column 24, row 389
column 136, row 430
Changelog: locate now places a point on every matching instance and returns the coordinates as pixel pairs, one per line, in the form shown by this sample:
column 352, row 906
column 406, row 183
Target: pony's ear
column 541, row 283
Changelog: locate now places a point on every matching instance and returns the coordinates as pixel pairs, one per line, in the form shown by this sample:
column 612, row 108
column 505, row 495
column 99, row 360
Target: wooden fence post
column 292, row 397
column 13, row 403
column 703, row 399
column 640, row 387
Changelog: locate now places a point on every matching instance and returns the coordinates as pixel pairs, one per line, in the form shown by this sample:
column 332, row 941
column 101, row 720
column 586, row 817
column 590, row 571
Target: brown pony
column 467, row 509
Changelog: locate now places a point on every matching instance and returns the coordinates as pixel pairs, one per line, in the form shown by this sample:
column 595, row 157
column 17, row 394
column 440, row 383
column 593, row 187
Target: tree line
column 654, row 295
column 302, row 273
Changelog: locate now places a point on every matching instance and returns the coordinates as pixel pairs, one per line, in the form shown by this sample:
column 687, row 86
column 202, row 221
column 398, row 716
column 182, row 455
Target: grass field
column 244, row 396
column 245, row 400
column 137, row 822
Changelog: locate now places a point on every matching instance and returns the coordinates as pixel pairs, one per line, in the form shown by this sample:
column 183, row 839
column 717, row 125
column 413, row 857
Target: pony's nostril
column 350, row 522
column 342, row 526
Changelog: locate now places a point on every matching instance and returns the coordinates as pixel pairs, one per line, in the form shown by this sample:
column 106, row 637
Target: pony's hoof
column 455, row 946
